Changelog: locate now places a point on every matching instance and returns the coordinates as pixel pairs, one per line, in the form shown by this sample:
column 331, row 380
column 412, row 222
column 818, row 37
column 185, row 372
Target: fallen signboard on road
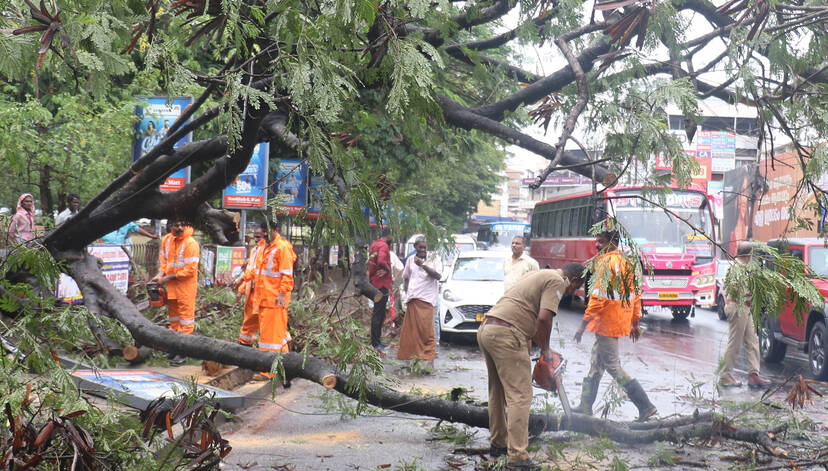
column 138, row 388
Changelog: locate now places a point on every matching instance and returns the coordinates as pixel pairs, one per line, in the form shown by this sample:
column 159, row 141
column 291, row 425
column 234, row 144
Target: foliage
column 455, row 435
column 772, row 278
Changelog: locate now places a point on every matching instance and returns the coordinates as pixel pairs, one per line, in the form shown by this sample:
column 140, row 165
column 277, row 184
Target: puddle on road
column 324, row 438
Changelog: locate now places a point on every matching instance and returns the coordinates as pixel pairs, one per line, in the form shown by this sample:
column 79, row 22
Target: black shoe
column 178, row 360
column 524, row 465
column 496, row 451
column 169, row 355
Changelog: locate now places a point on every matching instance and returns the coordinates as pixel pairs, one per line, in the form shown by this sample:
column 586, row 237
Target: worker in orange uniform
column 179, row 256
column 609, row 317
column 246, row 285
column 274, row 282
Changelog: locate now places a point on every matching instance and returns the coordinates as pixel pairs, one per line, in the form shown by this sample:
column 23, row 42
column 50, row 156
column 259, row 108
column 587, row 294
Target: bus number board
column 681, row 200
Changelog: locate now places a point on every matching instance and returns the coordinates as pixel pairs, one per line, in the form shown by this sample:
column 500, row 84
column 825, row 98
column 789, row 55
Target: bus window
column 585, row 221
column 575, row 227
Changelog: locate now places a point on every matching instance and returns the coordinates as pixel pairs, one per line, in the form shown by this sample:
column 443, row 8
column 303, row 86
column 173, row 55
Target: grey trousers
column 605, row 358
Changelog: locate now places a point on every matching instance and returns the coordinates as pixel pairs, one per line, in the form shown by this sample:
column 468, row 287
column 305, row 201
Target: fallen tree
column 84, row 269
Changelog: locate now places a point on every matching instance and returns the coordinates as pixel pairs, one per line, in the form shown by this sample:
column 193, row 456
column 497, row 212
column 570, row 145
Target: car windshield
column 818, row 260
column 478, row 269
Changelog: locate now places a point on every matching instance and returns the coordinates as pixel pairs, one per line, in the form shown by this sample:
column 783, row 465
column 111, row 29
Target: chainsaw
column 548, row 375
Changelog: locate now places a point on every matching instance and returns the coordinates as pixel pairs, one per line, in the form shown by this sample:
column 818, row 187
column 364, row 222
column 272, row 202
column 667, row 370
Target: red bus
column 683, row 262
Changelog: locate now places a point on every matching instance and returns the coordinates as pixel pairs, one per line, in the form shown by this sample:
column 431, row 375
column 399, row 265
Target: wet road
column 675, row 362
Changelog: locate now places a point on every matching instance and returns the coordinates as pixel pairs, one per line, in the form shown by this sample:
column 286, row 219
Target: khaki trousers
column 605, row 358
column 741, row 331
column 506, row 353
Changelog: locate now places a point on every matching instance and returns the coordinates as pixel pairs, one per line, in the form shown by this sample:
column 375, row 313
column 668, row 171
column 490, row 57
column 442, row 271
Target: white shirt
column 63, row 216
column 420, row 284
column 514, row 270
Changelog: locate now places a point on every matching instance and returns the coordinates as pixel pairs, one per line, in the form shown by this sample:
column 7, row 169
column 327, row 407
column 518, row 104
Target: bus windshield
column 657, row 231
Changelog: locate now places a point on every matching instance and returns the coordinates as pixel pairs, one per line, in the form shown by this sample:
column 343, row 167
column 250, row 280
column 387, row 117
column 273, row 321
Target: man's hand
column 381, row 272
column 635, row 332
column 418, row 261
column 280, row 300
column 579, row 334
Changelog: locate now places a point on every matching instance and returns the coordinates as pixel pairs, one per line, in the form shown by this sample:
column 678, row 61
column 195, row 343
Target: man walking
column 72, row 205
column 247, row 286
column 609, row 317
column 518, row 265
column 379, row 274
column 422, row 284
column 178, row 257
column 740, row 331
column 524, row 313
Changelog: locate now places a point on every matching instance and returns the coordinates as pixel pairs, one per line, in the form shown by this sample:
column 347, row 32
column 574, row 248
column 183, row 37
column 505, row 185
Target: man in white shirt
column 518, row 265
column 422, row 284
column 72, row 205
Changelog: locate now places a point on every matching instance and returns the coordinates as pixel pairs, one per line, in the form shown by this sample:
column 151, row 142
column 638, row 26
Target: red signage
column 173, row 184
column 237, row 201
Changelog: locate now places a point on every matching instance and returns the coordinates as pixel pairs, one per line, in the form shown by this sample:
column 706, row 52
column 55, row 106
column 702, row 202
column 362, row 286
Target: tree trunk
column 96, row 287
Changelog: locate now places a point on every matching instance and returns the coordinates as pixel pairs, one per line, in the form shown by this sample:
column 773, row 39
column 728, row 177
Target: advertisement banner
column 315, row 195
column 115, row 268
column 155, row 119
column 780, row 205
column 249, row 189
column 292, row 180
column 227, row 260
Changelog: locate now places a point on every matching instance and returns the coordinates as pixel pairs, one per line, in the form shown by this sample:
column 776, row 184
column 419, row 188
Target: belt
column 495, row 321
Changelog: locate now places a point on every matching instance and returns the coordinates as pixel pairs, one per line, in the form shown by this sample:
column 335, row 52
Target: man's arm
column 429, row 271
column 543, row 329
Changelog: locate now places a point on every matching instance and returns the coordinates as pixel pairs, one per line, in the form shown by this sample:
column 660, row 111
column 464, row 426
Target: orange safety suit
column 608, row 315
column 250, row 324
column 274, row 276
column 180, row 255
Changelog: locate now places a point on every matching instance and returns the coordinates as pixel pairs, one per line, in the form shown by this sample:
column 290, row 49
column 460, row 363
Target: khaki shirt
column 542, row 289
column 515, row 270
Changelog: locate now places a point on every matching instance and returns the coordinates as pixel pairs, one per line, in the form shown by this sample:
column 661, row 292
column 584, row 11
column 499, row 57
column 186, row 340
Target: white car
column 470, row 287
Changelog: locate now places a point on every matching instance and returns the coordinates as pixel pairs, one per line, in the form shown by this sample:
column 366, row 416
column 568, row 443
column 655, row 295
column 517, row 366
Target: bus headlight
column 704, row 280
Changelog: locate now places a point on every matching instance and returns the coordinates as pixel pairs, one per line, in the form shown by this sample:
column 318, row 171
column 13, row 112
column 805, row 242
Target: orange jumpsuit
column 180, row 255
column 250, row 324
column 607, row 313
column 274, row 276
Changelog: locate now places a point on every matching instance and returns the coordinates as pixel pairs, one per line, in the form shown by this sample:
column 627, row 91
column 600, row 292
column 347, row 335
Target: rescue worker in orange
column 273, row 285
column 609, row 317
column 178, row 258
column 246, row 286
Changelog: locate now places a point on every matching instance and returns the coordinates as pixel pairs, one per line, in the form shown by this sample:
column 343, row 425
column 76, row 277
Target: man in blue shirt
column 119, row 236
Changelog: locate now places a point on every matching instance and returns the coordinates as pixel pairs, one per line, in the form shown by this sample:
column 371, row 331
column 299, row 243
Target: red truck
column 811, row 335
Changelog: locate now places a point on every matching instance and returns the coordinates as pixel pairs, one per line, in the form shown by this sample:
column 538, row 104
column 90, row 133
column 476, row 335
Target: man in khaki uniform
column 741, row 332
column 518, row 265
column 524, row 313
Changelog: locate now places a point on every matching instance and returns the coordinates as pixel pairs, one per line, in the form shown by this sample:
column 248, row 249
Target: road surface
column 674, row 361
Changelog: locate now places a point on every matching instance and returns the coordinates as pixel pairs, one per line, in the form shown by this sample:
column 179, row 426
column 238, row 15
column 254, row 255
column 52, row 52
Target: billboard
column 736, row 206
column 292, row 180
column 154, row 121
column 779, row 205
column 115, row 268
column 227, row 260
column 315, row 195
column 249, row 189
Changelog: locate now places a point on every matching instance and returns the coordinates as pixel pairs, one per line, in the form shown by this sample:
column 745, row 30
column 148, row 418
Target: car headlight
column 704, row 280
column 449, row 296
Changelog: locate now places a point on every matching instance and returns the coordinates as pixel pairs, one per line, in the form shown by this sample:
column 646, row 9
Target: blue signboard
column 292, row 180
column 315, row 195
column 155, row 119
column 249, row 189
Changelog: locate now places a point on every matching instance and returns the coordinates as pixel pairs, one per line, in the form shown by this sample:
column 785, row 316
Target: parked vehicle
column 722, row 266
column 683, row 261
column 499, row 235
column 471, row 286
column 811, row 335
